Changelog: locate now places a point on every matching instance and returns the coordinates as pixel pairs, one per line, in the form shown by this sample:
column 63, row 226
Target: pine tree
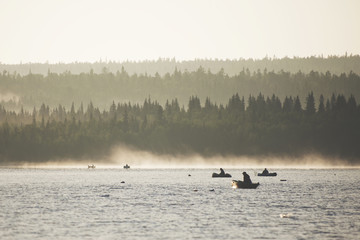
column 310, row 104
column 297, row 105
column 321, row 108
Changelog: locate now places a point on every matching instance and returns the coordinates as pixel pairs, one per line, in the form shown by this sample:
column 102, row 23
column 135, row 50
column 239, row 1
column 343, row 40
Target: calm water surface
column 162, row 204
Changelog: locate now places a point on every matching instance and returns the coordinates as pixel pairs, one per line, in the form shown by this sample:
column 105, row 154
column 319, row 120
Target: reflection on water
column 177, row 204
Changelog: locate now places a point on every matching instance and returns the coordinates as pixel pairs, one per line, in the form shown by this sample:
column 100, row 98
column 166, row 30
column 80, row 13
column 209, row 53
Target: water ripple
column 162, row 204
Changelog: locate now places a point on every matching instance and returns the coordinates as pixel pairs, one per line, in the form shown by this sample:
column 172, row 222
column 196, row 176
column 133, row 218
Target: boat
column 215, row 175
column 126, row 166
column 91, row 166
column 273, row 174
column 221, row 174
column 241, row 184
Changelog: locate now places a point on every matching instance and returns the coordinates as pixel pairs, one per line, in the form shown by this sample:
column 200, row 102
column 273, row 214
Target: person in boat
column 222, row 172
column 265, row 172
column 247, row 178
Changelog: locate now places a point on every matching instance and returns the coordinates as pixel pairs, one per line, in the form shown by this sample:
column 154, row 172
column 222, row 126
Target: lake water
column 163, row 204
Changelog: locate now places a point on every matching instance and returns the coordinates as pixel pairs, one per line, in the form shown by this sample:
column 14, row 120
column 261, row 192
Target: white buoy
column 286, row 215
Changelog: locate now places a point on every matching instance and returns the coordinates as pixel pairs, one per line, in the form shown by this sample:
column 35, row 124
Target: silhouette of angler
column 246, row 178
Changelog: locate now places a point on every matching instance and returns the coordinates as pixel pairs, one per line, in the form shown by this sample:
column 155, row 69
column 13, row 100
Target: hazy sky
column 74, row 30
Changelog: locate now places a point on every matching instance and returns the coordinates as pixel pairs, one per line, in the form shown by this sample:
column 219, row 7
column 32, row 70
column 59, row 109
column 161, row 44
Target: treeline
column 31, row 90
column 334, row 64
column 257, row 126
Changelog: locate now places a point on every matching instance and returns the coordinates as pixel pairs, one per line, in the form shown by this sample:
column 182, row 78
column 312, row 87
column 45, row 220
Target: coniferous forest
column 254, row 125
column 166, row 80
column 269, row 107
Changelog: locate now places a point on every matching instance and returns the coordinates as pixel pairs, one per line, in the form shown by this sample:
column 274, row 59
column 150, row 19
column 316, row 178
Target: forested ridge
column 31, row 90
column 269, row 107
column 254, row 125
column 334, row 64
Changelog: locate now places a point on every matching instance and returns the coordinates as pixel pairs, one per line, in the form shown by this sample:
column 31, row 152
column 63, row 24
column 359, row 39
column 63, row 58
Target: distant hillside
column 32, row 90
column 334, row 64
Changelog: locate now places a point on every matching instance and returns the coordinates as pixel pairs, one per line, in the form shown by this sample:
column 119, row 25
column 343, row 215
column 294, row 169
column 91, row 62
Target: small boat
column 241, row 184
column 273, row 174
column 220, row 175
column 91, row 166
column 126, row 166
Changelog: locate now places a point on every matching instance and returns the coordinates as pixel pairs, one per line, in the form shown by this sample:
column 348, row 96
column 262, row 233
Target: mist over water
column 123, row 154
column 145, row 159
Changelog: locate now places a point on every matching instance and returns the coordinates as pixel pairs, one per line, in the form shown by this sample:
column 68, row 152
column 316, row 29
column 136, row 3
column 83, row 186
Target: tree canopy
column 265, row 126
column 65, row 88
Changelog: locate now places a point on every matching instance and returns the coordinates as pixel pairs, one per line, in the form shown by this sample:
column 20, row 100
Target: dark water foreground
column 169, row 204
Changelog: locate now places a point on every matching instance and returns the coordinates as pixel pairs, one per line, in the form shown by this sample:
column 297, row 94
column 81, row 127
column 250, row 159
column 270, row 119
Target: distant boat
column 215, row 175
column 126, row 166
column 221, row 174
column 91, row 166
column 273, row 174
column 241, row 184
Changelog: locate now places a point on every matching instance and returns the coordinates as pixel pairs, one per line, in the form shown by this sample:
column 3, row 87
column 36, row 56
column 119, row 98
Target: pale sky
column 89, row 30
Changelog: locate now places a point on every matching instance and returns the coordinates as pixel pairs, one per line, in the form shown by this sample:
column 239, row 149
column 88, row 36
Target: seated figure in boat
column 265, row 172
column 221, row 174
column 247, row 178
